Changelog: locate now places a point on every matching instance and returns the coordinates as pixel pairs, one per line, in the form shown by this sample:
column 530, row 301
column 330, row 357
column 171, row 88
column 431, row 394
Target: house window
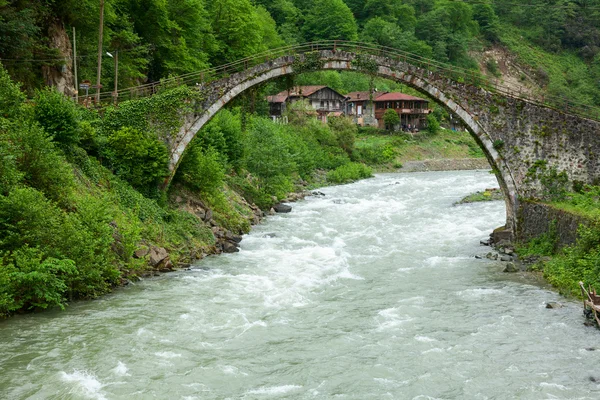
column 388, row 104
column 322, row 104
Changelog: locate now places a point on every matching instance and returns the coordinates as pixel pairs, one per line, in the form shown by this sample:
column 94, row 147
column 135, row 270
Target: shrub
column 224, row 134
column 201, row 169
column 269, row 150
column 9, row 173
column 348, row 173
column 32, row 282
column 391, row 118
column 433, row 125
column 41, row 164
column 374, row 154
column 11, row 97
column 345, row 130
column 140, row 159
column 57, row 115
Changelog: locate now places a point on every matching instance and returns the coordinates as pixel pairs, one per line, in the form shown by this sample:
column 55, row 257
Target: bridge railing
column 419, row 66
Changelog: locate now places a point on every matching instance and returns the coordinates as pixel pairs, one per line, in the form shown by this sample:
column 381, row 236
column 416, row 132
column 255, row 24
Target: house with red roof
column 324, row 100
column 411, row 110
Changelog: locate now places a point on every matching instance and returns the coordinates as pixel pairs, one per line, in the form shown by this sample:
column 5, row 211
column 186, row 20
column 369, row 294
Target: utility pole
column 116, row 58
column 75, row 66
column 101, row 28
column 116, row 75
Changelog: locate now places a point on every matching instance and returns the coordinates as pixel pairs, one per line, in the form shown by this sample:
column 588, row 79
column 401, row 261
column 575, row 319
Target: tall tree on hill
column 392, row 10
column 240, row 29
column 448, row 29
column 330, row 20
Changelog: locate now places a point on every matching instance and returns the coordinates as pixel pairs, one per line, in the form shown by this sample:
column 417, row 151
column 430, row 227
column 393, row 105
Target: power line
column 20, row 60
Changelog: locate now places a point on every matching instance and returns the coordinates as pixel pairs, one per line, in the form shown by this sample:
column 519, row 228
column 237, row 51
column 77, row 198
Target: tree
column 488, row 21
column 237, row 28
column 392, row 10
column 448, row 29
column 330, row 20
column 391, row 118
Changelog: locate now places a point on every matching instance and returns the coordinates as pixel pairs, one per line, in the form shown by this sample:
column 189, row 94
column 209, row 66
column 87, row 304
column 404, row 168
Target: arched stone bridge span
column 520, row 138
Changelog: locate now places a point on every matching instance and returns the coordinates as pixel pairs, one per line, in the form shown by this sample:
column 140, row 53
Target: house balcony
column 329, row 109
column 415, row 111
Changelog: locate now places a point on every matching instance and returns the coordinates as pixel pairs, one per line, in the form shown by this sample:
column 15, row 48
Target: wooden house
column 322, row 99
column 360, row 107
column 411, row 110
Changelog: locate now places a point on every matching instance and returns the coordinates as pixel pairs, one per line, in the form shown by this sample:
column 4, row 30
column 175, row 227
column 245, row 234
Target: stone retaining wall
column 536, row 219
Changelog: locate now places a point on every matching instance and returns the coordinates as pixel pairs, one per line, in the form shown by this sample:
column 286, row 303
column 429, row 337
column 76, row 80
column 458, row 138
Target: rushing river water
column 370, row 292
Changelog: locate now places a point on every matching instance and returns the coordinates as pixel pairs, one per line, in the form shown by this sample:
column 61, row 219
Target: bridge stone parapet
column 522, row 140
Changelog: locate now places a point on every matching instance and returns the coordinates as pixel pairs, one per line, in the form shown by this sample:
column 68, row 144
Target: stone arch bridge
column 522, row 138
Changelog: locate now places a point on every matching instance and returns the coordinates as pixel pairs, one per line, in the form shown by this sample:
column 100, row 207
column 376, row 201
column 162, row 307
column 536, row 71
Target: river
column 369, row 292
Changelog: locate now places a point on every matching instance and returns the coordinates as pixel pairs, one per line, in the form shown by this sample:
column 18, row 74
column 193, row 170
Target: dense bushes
column 57, row 115
column 139, row 158
column 349, row 173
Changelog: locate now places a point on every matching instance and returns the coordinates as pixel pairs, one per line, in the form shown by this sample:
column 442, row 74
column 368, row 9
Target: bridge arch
column 222, row 91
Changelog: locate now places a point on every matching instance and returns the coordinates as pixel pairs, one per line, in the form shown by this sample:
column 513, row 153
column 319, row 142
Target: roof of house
column 304, row 90
column 296, row 91
column 359, row 96
column 278, row 98
column 396, row 96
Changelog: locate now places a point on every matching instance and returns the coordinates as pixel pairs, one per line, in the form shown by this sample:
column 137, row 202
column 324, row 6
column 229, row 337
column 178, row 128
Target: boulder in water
column 510, row 267
column 282, row 208
column 229, row 247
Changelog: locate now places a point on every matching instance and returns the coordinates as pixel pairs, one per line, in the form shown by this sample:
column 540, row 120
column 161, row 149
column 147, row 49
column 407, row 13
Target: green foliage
column 543, row 245
column 345, row 131
column 579, row 262
column 161, row 114
column 391, row 118
column 240, row 29
column 29, row 282
column 40, row 164
column 498, row 144
column 307, row 62
column 224, row 134
column 330, row 19
column 137, row 157
column 374, row 154
column 201, row 169
column 433, row 125
column 11, row 97
column 57, row 115
column 349, row 173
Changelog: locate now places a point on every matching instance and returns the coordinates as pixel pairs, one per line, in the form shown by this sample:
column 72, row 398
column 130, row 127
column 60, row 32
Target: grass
column 386, row 151
column 486, row 195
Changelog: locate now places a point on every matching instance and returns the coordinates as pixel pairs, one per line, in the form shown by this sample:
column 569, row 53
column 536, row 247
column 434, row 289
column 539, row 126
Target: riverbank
column 462, row 164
